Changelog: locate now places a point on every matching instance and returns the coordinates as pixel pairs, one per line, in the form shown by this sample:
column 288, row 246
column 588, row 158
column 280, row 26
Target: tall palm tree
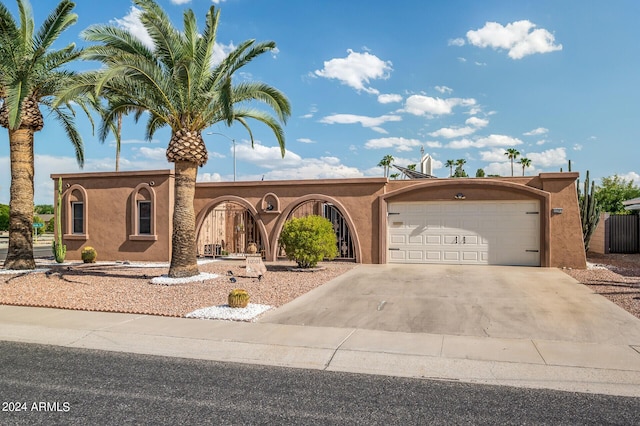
column 460, row 167
column 450, row 164
column 512, row 154
column 31, row 75
column 524, row 162
column 177, row 86
column 386, row 162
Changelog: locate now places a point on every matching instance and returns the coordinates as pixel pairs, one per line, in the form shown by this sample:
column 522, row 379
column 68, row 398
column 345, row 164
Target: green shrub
column 308, row 240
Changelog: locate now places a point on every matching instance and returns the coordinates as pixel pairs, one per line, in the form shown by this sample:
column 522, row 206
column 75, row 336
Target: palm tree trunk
column 118, row 141
column 183, row 251
column 20, row 251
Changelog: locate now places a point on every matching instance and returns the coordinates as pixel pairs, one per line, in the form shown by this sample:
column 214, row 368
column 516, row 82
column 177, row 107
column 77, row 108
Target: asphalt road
column 38, row 252
column 55, row 385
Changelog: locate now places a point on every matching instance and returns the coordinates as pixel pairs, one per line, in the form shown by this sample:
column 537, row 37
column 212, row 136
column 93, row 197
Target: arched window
column 143, row 213
column 76, row 223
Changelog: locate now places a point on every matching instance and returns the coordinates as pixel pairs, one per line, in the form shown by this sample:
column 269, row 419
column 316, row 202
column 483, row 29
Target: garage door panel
column 490, row 232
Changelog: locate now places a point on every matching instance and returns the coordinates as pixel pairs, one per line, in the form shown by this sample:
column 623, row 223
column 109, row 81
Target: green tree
column 175, row 83
column 612, row 191
column 32, row 74
column 394, row 176
column 480, row 173
column 450, row 164
column 386, row 162
column 512, row 154
column 308, row 240
column 4, row 217
column 43, row 209
column 524, row 162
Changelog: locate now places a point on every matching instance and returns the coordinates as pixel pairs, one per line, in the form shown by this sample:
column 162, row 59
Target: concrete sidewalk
column 537, row 363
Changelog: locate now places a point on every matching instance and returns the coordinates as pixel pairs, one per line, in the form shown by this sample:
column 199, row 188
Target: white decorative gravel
column 201, row 277
column 22, row 271
column 158, row 264
column 224, row 312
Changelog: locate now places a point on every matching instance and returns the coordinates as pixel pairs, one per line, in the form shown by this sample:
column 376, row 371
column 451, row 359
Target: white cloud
column 131, row 22
column 184, row 1
column 538, row 131
column 456, row 42
column 550, row 158
column 389, row 98
column 305, row 140
column 371, row 122
column 496, row 155
column 151, row 153
column 453, row 132
column 310, row 168
column 500, row 169
column 209, row 177
column 433, row 144
column 520, row 38
column 356, row 70
column 399, row 144
column 477, row 122
column 266, row 156
column 577, row 147
column 631, row 177
column 489, row 141
column 444, row 89
column 541, row 142
column 427, row 105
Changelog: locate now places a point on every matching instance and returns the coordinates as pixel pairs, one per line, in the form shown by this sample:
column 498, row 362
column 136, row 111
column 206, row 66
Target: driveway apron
column 484, row 301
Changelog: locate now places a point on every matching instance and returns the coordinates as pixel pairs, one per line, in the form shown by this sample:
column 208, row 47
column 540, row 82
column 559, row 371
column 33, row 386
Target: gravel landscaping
column 614, row 276
column 127, row 287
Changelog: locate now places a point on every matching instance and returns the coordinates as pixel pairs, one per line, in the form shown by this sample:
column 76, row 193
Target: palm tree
column 176, row 84
column 459, row 167
column 450, row 164
column 386, row 163
column 525, row 162
column 512, row 154
column 32, row 75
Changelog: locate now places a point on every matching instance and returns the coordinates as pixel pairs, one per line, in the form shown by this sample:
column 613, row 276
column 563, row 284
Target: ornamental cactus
column 238, row 298
column 589, row 211
column 89, row 255
column 59, row 249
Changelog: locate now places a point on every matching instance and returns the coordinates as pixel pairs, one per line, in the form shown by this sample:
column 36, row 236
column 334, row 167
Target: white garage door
column 465, row 232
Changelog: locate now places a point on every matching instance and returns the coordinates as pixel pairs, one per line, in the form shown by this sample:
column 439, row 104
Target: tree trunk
column 20, row 251
column 183, row 251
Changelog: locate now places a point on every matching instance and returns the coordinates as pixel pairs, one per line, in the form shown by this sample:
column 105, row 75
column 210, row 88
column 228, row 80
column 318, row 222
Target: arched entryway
column 346, row 237
column 227, row 226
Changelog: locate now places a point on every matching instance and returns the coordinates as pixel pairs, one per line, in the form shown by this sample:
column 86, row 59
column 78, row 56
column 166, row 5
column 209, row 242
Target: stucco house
column 529, row 221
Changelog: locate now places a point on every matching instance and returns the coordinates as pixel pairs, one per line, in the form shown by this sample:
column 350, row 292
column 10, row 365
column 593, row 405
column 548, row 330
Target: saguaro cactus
column 589, row 210
column 59, row 249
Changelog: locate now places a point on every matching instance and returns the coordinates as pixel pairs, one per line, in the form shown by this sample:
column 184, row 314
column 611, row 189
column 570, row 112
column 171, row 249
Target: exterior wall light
column 459, row 196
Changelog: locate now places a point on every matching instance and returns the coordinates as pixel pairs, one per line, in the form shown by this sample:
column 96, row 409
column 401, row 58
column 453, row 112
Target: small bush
column 308, row 240
column 89, row 254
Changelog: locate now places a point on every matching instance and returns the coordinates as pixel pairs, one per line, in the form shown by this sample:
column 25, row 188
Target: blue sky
column 557, row 80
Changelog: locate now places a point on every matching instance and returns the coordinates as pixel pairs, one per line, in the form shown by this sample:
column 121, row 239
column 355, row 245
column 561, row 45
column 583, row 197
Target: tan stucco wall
column 363, row 203
column 356, row 198
column 108, row 221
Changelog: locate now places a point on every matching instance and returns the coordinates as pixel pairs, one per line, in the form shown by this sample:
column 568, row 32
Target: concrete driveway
column 484, row 301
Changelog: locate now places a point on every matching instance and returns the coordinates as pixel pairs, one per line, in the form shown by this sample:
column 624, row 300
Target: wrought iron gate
column 624, row 233
column 345, row 245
